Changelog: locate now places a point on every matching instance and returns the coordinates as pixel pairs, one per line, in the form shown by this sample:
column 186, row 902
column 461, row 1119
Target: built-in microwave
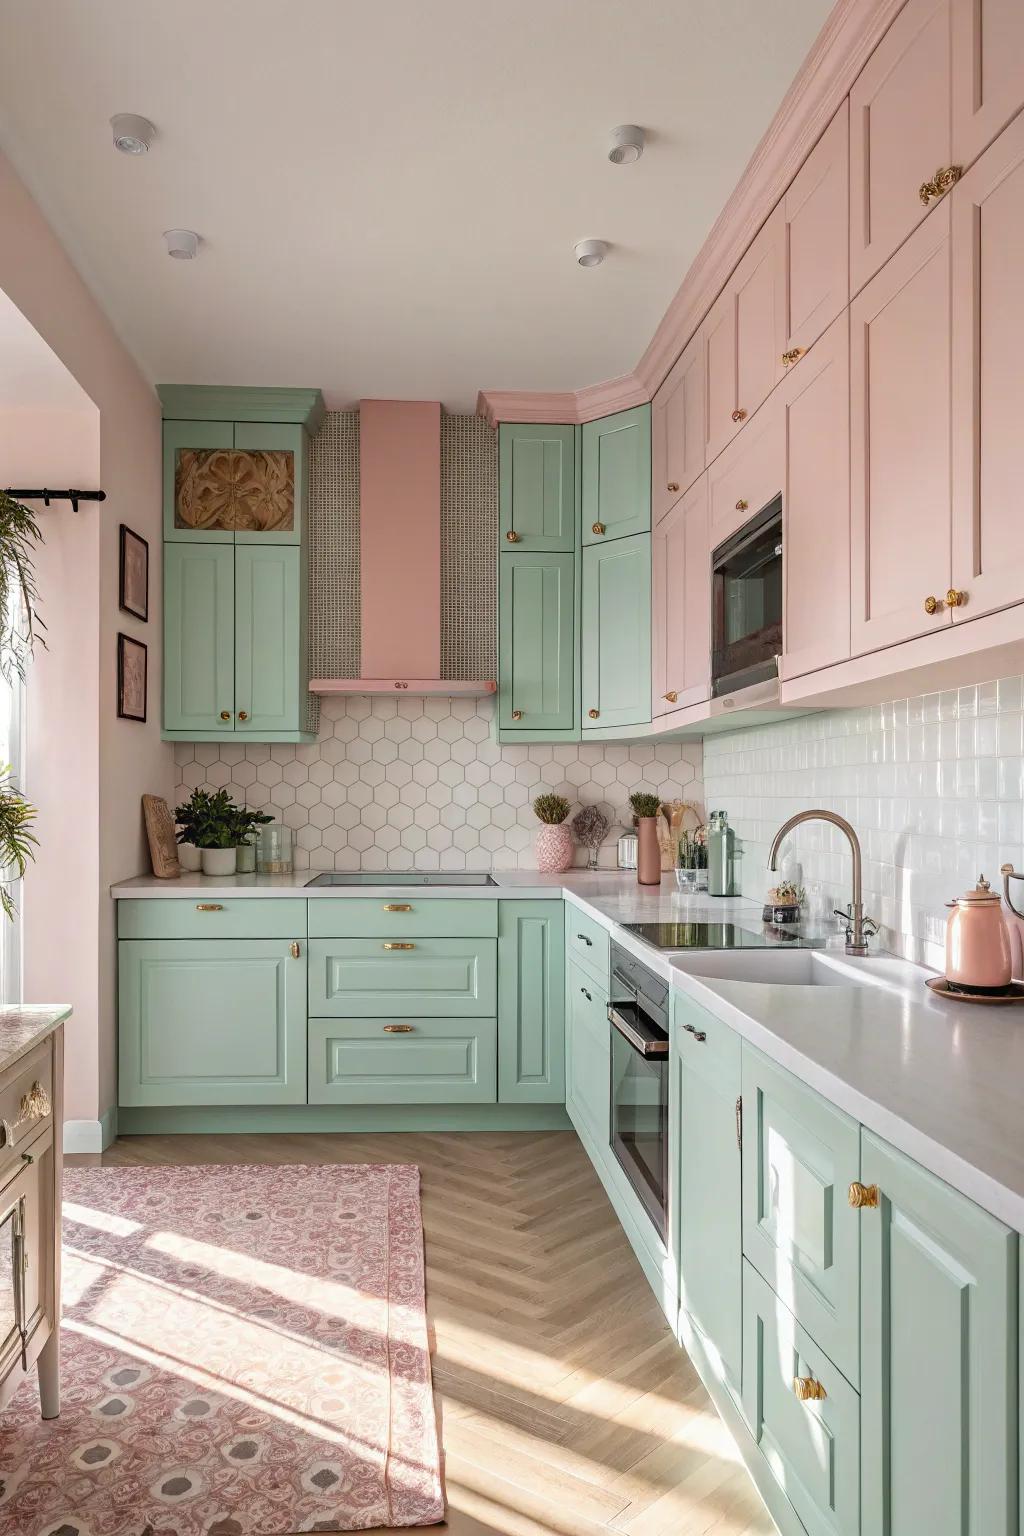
column 746, row 604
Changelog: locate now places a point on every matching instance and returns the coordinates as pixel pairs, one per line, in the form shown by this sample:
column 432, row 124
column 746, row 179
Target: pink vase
column 555, row 848
column 648, row 851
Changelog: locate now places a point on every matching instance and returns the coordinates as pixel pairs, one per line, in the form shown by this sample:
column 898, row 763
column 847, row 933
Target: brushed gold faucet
column 859, row 928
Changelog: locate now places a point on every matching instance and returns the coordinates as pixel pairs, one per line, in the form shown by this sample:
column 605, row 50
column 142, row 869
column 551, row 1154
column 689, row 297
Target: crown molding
column 216, row 402
column 841, row 49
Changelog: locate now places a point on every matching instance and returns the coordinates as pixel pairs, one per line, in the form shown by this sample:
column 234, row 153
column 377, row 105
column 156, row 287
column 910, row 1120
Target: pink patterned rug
column 244, row 1354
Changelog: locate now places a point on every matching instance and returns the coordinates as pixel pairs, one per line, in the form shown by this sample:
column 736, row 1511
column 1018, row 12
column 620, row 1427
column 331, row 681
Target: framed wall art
column 132, row 665
column 133, row 580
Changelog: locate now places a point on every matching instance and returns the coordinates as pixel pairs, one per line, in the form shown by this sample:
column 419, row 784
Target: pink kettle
column 978, row 955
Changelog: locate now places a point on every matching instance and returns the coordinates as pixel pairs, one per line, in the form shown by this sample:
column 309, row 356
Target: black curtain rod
column 46, row 496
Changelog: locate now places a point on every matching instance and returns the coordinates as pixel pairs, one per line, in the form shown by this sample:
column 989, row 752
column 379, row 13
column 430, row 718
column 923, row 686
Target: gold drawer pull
column 597, row 528
column 399, row 946
column 593, row 713
column 209, row 906
column 296, row 951
column 398, row 1029
column 398, row 906
column 512, row 536
column 808, row 1390
column 863, row 1196
column 671, row 696
column 517, row 714
column 739, row 415
column 945, row 177
column 673, row 485
column 956, row 599
column 35, row 1105
column 792, row 356
column 742, row 505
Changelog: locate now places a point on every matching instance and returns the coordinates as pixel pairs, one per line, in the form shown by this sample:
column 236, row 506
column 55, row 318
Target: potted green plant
column 246, row 823
column 187, row 816
column 645, row 808
column 554, row 847
column 212, row 819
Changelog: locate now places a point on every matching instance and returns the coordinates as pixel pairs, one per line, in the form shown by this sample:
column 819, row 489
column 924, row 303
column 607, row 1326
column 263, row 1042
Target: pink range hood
column 400, row 553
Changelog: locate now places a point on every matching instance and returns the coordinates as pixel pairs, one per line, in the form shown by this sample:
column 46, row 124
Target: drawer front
column 800, row 1156
column 587, row 1054
column 586, row 942
column 26, row 1103
column 395, row 1061
column 812, row 1445
column 212, row 917
column 423, row 978
column 403, row 917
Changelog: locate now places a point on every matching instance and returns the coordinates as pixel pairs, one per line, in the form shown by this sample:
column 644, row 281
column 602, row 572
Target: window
column 12, row 751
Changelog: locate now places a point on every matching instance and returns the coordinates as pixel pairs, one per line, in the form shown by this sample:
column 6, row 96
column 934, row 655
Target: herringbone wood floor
column 567, row 1408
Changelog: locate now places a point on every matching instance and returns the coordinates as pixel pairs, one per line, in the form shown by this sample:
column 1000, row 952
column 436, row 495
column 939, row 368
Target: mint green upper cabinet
column 703, row 1096
column 616, row 633
column 197, row 456
column 531, row 1002
column 270, row 677
column 199, row 639
column 617, row 475
column 938, row 1363
column 537, row 480
column 537, row 642
column 800, row 1156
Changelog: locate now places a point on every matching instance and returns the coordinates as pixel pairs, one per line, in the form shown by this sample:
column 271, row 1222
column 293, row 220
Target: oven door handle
column 642, row 1044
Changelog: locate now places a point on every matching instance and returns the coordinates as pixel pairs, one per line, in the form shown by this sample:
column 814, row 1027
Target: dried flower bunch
column 644, row 804
column 590, row 826
column 551, row 809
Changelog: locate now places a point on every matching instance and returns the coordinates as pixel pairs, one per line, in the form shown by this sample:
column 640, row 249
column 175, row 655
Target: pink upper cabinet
column 988, row 369
column 816, row 214
column 745, row 335
column 899, row 133
column 681, row 613
column 748, row 475
column 677, row 429
column 815, row 401
column 988, row 71
column 900, row 443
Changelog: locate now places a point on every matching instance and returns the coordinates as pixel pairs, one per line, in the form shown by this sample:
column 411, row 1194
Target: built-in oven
column 639, row 1023
column 746, row 604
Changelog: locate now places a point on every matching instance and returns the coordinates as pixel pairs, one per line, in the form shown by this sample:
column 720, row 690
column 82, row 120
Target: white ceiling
column 388, row 193
column 32, row 377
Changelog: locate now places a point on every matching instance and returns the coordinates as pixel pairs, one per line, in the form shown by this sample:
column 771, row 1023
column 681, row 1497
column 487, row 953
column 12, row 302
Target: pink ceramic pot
column 978, row 955
column 648, row 851
column 555, row 848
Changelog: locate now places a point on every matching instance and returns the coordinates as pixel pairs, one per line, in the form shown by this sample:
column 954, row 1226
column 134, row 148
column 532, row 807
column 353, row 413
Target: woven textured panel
column 334, row 547
column 469, row 532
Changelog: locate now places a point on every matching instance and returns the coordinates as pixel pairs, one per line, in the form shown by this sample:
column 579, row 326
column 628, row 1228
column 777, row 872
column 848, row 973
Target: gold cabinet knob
column 597, row 528
column 673, row 485
column 808, row 1390
column 739, row 415
column 932, row 604
column 512, row 536
column 225, row 714
column 593, row 713
column 742, row 505
column 956, row 599
column 671, row 696
column 398, row 946
column 945, row 177
column 517, row 714
column 863, row 1197
column 398, row 1029
column 242, row 715
column 792, row 356
column 295, row 950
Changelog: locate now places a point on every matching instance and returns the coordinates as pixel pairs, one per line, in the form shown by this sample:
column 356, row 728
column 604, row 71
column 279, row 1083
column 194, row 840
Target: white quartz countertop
column 23, row 1027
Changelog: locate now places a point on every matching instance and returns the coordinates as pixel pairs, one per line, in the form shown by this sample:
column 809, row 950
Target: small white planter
column 219, row 861
column 190, row 857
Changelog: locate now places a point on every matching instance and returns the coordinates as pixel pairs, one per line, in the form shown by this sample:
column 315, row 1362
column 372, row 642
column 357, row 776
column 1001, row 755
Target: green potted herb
column 246, row 823
column 212, row 821
column 554, row 847
column 645, row 808
column 187, row 816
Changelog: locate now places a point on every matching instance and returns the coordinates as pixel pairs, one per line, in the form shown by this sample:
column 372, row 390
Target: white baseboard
column 90, row 1135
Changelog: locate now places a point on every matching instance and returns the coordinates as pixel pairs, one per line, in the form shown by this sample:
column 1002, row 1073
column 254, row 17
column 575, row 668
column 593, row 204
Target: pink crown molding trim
column 840, row 51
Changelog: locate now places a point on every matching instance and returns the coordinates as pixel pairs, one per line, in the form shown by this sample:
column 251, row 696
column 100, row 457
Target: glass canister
column 275, row 855
column 626, row 850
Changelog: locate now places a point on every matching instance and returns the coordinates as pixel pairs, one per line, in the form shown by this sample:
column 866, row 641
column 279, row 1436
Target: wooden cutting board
column 163, row 848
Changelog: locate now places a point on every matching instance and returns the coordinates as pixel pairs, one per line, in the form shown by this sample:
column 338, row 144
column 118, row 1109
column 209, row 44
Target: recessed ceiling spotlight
column 182, row 244
column 627, row 144
column 132, row 135
column 591, row 253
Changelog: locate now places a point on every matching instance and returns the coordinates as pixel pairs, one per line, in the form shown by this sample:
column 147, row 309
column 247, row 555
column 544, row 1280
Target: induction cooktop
column 713, row 936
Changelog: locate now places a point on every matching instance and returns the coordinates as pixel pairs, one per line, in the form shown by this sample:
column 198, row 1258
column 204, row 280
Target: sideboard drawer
column 586, row 941
column 402, row 917
column 397, row 978
column 401, row 1061
column 212, row 917
column 26, row 1102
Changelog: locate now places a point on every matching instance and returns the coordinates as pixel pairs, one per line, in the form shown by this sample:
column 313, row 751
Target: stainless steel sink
column 404, row 877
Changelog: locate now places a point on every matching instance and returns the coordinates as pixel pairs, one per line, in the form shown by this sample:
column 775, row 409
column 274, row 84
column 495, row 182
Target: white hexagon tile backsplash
column 421, row 783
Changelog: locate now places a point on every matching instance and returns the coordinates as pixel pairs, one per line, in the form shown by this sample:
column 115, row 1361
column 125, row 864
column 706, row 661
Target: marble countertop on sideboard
column 22, row 1028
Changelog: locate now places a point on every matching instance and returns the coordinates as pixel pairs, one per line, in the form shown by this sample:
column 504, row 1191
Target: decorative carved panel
column 250, row 489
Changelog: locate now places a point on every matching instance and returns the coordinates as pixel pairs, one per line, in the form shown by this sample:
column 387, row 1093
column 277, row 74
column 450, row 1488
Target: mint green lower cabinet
column 199, row 637
column 226, row 917
column 531, row 1002
column 403, row 978
column 704, row 1092
column 270, row 677
column 400, row 1061
column 938, row 1357
column 587, row 1055
column 537, row 642
column 211, row 1022
column 615, row 644
column 800, row 1155
column 407, row 916
column 811, row 1446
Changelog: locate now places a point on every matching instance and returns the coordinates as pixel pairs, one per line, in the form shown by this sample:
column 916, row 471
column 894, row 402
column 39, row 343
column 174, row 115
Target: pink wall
column 100, row 765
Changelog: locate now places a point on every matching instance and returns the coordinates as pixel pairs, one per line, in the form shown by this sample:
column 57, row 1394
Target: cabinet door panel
column 617, row 475
column 270, row 475
column 388, row 978
column 750, row 474
column 681, row 604
column 988, row 346
column 537, row 480
column 537, row 642
column 938, row 1319
column 269, row 660
column 678, row 429
column 616, row 643
column 197, row 481
column 720, row 373
column 431, row 1061
column 900, row 443
column 211, row 1022
column 815, row 401
column 800, row 1156
column 988, row 77
column 760, row 286
column 531, row 1003
column 817, row 219
column 199, row 636
column 899, row 133
column 587, row 1055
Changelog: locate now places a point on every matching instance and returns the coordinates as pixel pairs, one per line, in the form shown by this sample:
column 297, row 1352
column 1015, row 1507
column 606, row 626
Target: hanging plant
column 19, row 622
column 18, row 842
